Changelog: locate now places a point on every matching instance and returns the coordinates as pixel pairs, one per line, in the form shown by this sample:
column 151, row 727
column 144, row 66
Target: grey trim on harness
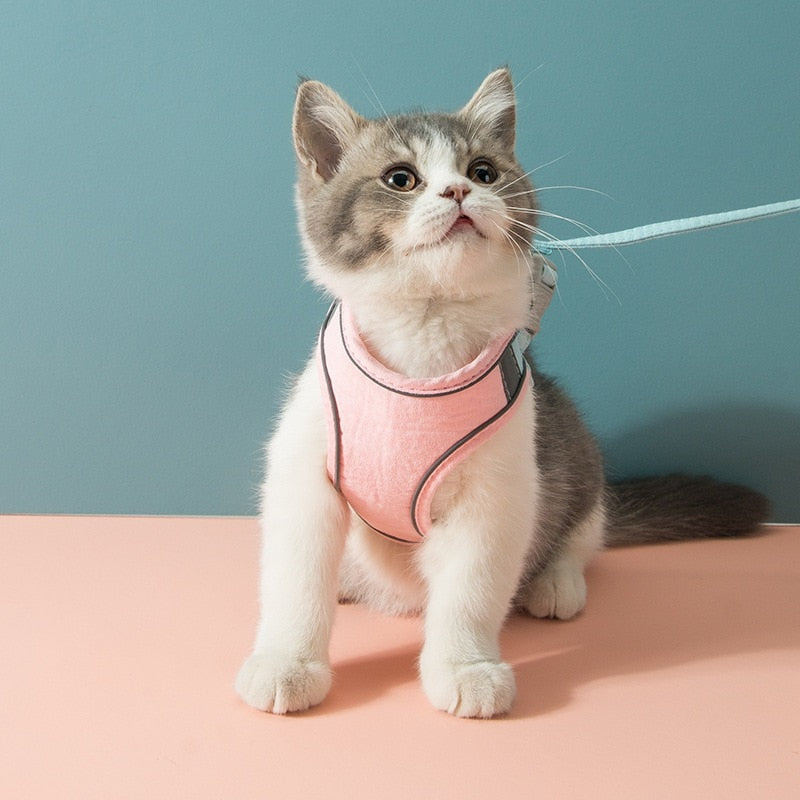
column 543, row 284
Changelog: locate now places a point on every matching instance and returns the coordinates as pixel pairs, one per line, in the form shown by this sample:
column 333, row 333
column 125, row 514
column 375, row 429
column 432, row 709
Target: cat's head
column 413, row 205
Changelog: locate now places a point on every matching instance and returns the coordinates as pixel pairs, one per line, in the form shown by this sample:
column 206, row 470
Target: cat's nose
column 456, row 191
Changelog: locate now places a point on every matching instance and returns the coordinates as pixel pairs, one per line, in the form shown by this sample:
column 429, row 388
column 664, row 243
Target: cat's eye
column 482, row 171
column 401, row 179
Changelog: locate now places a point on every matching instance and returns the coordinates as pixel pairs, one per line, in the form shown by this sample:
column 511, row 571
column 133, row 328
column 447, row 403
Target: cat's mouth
column 462, row 226
column 463, row 223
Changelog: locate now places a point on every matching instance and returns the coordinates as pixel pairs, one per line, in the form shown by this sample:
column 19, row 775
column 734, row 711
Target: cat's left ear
column 323, row 125
column 494, row 108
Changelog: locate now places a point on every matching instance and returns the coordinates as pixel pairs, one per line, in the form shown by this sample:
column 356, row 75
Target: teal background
column 152, row 298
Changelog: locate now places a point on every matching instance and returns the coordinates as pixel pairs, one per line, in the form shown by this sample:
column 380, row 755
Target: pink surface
column 121, row 638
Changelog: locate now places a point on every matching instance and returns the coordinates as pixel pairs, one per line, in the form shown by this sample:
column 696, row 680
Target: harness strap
column 659, row 230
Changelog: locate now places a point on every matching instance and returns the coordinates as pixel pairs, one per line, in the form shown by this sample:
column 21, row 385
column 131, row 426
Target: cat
column 420, row 227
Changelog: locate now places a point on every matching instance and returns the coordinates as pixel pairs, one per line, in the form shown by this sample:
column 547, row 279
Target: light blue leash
column 545, row 277
column 658, row 230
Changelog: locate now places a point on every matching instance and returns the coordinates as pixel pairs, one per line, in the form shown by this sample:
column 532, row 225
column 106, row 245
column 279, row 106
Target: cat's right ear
column 493, row 107
column 323, row 124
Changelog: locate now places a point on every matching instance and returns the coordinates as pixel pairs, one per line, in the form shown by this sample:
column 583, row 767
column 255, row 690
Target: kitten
column 420, row 226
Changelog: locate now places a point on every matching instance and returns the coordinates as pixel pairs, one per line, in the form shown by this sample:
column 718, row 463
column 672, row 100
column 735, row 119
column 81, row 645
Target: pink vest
column 391, row 439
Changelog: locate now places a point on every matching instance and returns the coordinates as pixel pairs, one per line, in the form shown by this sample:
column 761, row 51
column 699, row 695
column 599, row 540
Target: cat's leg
column 472, row 562
column 304, row 522
column 559, row 589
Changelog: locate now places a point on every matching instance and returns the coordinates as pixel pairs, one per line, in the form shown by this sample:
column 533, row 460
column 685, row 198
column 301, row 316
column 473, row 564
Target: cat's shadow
column 642, row 617
column 647, row 618
column 358, row 681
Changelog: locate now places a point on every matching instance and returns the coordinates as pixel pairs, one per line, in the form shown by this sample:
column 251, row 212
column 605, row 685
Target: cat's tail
column 676, row 507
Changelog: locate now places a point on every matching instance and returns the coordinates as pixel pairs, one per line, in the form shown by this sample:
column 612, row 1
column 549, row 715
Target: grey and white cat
column 421, row 225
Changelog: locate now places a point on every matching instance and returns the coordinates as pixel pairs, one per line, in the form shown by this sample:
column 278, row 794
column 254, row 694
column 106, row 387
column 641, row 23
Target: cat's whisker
column 604, row 287
column 537, row 189
column 549, row 163
column 523, row 249
column 537, row 231
column 580, row 225
column 527, row 75
column 525, row 225
column 519, row 178
column 577, row 188
column 378, row 105
column 526, row 243
column 521, row 242
column 509, row 236
column 522, row 252
column 531, row 171
column 531, row 192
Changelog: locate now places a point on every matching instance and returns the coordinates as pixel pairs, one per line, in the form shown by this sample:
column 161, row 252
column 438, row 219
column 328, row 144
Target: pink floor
column 121, row 637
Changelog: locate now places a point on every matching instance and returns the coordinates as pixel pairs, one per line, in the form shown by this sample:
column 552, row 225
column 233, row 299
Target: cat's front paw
column 479, row 689
column 281, row 685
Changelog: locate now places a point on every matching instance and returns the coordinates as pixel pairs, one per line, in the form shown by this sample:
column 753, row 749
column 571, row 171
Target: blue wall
column 152, row 301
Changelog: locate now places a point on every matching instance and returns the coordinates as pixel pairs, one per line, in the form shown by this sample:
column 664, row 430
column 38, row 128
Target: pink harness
column 392, row 440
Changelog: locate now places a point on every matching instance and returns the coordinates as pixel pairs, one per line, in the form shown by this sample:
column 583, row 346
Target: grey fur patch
column 570, row 469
